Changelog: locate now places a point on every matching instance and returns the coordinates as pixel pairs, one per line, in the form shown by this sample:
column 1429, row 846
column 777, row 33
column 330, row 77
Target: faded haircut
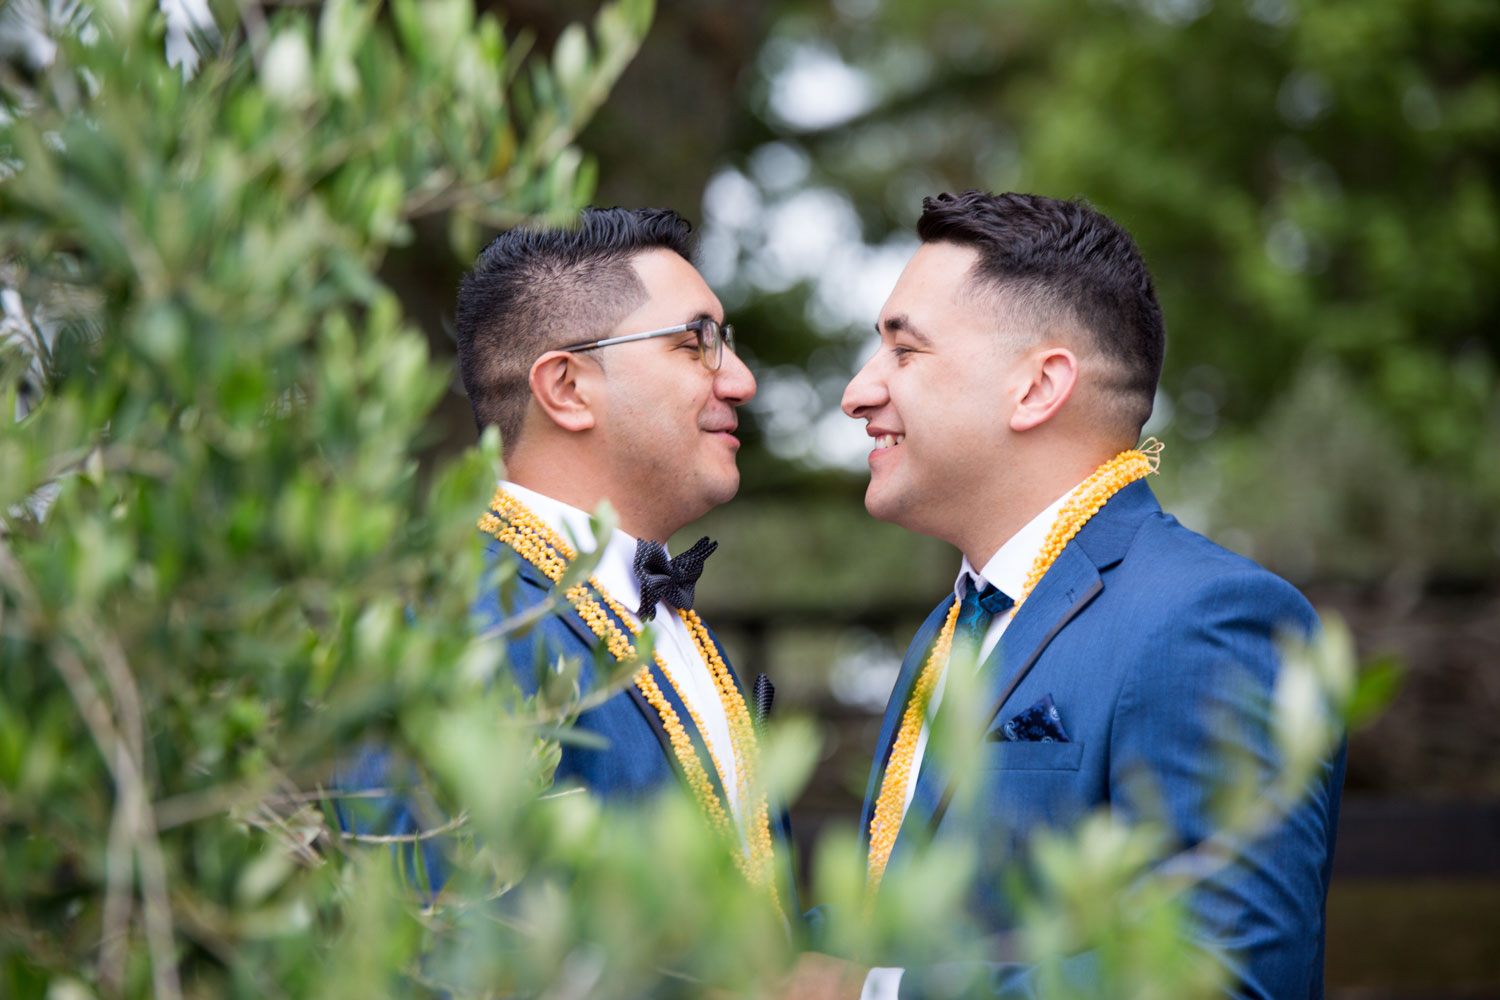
column 535, row 289
column 1064, row 263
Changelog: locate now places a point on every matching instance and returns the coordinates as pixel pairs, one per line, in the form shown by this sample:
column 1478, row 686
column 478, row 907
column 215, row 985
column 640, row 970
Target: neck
column 577, row 486
column 1020, row 494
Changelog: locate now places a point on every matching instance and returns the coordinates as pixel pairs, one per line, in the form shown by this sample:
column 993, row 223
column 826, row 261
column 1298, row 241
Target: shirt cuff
column 881, row 984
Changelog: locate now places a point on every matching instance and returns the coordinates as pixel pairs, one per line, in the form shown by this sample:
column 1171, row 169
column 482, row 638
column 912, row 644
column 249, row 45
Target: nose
column 866, row 391
column 733, row 382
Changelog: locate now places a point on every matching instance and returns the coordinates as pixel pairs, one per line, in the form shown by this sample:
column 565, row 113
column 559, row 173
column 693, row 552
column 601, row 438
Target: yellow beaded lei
column 509, row 520
column 1111, row 477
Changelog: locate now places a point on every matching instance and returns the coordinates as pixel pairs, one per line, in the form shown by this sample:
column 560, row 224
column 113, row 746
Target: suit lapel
column 536, row 579
column 684, row 717
column 1069, row 586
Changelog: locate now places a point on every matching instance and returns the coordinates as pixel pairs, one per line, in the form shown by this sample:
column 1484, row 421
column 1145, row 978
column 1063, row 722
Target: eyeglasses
column 713, row 337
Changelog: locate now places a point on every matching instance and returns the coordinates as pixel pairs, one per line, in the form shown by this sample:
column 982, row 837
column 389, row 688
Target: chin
column 880, row 506
column 904, row 510
column 720, row 489
column 727, row 489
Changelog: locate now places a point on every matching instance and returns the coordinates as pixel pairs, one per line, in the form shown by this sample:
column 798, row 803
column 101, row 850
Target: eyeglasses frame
column 726, row 339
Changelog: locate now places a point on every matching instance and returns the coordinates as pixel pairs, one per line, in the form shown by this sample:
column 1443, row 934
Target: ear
column 1053, row 373
column 560, row 385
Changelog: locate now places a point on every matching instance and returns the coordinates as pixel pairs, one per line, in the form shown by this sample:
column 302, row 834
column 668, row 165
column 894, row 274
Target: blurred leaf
column 1378, row 684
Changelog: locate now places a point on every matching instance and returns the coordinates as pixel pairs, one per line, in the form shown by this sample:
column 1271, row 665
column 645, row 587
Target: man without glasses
column 1018, row 360
column 604, row 360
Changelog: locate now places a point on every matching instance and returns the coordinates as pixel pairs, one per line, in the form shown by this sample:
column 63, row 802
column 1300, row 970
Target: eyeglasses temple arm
column 684, row 328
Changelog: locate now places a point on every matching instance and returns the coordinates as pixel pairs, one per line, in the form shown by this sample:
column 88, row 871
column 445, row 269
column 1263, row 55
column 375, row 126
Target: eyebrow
column 902, row 323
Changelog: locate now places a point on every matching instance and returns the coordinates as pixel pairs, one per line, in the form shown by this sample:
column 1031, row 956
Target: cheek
column 959, row 423
column 925, row 406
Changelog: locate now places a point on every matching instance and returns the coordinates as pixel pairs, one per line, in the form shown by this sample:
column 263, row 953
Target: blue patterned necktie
column 975, row 612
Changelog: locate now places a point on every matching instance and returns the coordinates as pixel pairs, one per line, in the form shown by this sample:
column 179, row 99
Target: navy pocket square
column 1040, row 723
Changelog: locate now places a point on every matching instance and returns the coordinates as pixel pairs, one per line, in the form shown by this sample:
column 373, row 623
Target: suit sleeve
column 1203, row 682
column 378, row 794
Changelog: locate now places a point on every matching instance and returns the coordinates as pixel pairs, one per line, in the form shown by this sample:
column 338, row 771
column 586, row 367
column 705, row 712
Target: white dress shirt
column 685, row 664
column 1007, row 570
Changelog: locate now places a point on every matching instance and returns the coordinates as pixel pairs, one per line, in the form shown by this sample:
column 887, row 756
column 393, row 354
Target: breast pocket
column 1023, row 786
column 1007, row 756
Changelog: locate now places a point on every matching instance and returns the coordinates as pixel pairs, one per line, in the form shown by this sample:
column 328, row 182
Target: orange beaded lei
column 1111, row 477
column 513, row 523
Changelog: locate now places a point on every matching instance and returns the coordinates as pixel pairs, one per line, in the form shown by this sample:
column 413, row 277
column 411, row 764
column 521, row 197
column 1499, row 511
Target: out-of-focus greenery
column 1312, row 183
column 219, row 570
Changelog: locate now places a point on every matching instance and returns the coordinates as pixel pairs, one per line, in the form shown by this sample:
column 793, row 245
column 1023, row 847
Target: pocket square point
column 1041, row 723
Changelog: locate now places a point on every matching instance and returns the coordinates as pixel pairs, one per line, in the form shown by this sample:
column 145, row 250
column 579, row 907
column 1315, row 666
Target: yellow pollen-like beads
column 1092, row 494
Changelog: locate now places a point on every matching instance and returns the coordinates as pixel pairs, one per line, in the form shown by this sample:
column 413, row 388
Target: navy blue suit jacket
column 1149, row 639
column 631, row 760
column 636, row 759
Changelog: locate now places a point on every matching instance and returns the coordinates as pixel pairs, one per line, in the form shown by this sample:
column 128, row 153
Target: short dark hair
column 1064, row 257
column 534, row 289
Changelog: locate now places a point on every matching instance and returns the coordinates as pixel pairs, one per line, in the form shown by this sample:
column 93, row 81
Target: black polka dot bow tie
column 669, row 580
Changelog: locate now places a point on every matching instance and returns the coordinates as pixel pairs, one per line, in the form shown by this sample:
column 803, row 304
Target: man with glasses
column 604, row 360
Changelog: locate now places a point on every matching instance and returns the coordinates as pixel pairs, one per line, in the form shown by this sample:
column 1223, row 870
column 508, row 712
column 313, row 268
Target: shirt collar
column 1009, row 567
column 616, row 568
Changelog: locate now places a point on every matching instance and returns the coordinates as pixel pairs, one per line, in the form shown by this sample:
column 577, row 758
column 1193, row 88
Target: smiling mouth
column 887, row 441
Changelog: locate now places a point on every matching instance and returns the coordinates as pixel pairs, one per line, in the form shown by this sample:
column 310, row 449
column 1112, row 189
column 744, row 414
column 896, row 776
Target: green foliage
column 218, row 561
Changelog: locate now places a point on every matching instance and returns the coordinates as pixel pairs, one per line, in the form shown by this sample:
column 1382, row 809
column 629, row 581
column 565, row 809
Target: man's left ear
column 1054, row 373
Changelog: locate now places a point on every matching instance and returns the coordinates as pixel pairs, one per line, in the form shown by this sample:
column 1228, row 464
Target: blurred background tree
column 1312, row 184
